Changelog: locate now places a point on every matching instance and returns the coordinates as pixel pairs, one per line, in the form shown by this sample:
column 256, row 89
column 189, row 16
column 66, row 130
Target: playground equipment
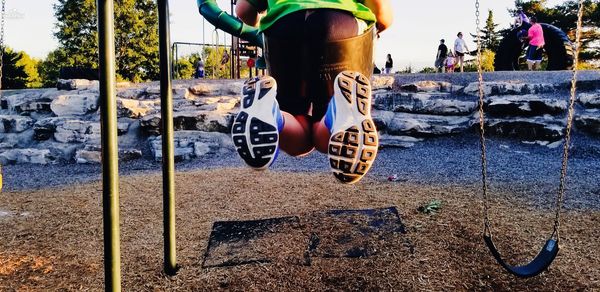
column 558, row 47
column 548, row 253
column 110, row 178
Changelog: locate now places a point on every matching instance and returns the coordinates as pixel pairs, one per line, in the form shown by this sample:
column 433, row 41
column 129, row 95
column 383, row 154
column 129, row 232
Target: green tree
column 14, row 74
column 31, row 66
column 136, row 36
column 213, row 67
column 490, row 37
column 49, row 68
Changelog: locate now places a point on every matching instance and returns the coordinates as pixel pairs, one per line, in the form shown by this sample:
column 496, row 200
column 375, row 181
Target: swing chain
column 486, row 220
column 570, row 113
column 2, row 41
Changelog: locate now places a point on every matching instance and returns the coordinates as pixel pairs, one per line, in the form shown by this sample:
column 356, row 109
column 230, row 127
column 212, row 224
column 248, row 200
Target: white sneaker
column 255, row 130
column 354, row 141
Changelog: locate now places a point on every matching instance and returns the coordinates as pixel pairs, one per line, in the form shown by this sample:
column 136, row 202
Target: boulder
column 427, row 86
column 508, row 88
column 217, row 88
column 209, row 121
column 417, row 125
column 423, row 103
column 388, row 141
column 93, row 154
column 136, row 109
column 588, row 121
column 14, row 124
column 527, row 129
column 523, row 105
column 190, row 144
column 590, row 100
column 77, row 131
column 44, row 129
column 74, row 104
column 75, row 84
column 29, row 101
column 382, row 82
column 29, row 155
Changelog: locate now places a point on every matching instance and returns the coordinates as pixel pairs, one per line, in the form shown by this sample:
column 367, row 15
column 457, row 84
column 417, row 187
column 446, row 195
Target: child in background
column 450, row 62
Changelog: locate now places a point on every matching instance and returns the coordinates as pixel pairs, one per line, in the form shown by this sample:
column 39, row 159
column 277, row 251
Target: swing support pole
column 168, row 154
column 110, row 162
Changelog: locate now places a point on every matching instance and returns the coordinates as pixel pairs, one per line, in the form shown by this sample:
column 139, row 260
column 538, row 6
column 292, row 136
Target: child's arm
column 247, row 12
column 383, row 11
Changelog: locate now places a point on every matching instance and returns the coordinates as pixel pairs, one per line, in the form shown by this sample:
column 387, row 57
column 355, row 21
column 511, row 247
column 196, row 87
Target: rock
column 382, row 82
column 508, row 88
column 209, row 121
column 190, row 144
column 136, row 109
column 74, row 84
column 77, row 131
column 427, row 86
column 214, row 88
column 423, row 103
column 93, row 154
column 29, row 155
column 588, row 121
column 591, row 100
column 382, row 119
column 527, row 129
column 44, row 129
column 14, row 124
column 75, row 104
column 122, row 127
column 425, row 125
column 30, row 101
column 388, row 141
column 523, row 105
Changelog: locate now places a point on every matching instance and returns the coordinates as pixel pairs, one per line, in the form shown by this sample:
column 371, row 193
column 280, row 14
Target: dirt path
column 51, row 239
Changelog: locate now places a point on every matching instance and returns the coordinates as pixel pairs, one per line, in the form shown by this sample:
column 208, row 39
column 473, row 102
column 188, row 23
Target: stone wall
column 62, row 125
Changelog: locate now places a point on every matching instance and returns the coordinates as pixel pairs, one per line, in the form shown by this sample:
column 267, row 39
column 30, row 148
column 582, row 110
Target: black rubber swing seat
column 539, row 264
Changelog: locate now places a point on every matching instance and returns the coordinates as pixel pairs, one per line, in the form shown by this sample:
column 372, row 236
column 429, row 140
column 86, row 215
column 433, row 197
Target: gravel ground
column 531, row 172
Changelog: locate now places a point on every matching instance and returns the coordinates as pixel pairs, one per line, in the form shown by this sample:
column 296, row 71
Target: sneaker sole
column 354, row 142
column 254, row 131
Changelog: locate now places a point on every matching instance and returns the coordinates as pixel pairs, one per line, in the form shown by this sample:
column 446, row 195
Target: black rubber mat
column 296, row 240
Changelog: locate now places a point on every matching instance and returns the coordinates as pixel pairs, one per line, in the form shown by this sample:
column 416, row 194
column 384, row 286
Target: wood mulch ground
column 51, row 239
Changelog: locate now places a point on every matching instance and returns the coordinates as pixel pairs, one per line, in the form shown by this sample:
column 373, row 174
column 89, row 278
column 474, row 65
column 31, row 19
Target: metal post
column 110, row 161
column 168, row 155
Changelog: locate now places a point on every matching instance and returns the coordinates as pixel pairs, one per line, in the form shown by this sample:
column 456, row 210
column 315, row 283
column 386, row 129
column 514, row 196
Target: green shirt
column 277, row 9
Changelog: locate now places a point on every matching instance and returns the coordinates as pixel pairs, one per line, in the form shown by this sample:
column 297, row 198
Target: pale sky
column 412, row 39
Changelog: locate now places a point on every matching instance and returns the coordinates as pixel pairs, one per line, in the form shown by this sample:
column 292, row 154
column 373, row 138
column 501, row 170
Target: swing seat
column 539, row 264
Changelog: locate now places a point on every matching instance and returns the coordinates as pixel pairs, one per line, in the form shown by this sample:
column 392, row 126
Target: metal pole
column 110, row 161
column 168, row 156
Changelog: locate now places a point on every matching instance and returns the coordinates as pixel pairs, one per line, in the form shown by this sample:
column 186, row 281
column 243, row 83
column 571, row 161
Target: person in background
column 199, row 70
column 535, row 36
column 450, row 62
column 441, row 55
column 389, row 64
column 460, row 49
column 376, row 70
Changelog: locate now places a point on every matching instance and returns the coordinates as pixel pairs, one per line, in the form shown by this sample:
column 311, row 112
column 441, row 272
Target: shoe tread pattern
column 353, row 150
column 257, row 148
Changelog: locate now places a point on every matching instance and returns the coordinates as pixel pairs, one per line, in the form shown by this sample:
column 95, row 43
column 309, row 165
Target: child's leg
column 296, row 136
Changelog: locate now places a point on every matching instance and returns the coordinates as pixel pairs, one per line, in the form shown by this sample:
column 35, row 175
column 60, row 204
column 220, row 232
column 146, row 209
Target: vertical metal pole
column 110, row 161
column 168, row 156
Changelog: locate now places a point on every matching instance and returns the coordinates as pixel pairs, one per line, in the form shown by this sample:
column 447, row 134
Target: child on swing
column 302, row 107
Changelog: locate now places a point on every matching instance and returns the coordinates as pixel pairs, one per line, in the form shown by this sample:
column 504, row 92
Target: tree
column 212, row 63
column 136, row 36
column 490, row 38
column 14, row 73
column 49, row 68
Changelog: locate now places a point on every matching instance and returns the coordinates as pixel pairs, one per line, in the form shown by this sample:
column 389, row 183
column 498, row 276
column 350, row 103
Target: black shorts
column 293, row 48
column 459, row 54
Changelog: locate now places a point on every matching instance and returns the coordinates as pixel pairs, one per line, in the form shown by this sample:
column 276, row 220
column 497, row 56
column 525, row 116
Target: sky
column 412, row 40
